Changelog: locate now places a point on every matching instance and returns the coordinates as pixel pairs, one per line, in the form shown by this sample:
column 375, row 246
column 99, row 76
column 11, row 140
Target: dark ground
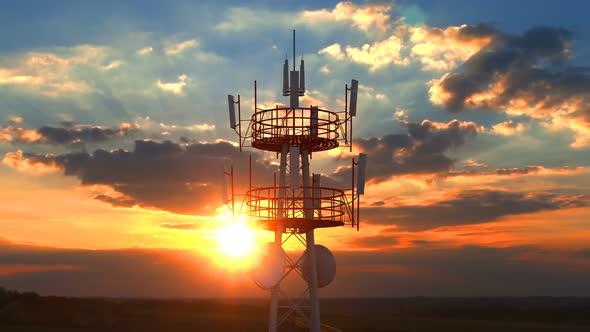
column 30, row 312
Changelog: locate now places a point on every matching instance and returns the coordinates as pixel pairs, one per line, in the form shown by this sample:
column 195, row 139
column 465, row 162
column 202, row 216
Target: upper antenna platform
column 313, row 128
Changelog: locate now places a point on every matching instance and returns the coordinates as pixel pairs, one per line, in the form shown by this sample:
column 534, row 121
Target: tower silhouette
column 298, row 204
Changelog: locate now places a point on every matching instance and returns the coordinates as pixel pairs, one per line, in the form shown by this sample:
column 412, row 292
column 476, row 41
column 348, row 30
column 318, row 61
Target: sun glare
column 236, row 239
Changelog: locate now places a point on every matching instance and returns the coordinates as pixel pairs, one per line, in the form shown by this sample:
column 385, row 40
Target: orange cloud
column 453, row 124
column 363, row 17
column 68, row 134
column 374, row 55
column 507, row 128
column 19, row 161
column 379, row 53
column 516, row 75
column 445, row 49
column 334, row 50
column 16, row 120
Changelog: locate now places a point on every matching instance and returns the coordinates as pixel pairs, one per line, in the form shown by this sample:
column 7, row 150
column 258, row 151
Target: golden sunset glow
column 236, row 239
column 123, row 174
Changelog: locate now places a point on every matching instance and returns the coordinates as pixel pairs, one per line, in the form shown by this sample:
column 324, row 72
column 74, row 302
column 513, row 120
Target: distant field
column 371, row 324
column 49, row 314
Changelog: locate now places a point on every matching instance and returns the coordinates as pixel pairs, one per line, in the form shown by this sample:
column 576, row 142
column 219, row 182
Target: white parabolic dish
column 269, row 266
column 325, row 263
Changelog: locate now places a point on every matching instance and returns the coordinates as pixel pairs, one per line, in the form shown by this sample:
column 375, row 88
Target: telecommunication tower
column 298, row 204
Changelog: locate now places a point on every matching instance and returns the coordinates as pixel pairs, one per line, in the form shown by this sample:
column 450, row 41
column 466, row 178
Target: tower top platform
column 311, row 128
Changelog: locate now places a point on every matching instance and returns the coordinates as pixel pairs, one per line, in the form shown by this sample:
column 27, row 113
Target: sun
column 236, row 239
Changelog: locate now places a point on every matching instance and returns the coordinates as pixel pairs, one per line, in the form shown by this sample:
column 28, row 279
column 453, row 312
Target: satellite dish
column 325, row 265
column 354, row 90
column 360, row 184
column 269, row 267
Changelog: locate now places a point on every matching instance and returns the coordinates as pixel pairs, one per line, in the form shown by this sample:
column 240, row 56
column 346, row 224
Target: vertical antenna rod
column 293, row 49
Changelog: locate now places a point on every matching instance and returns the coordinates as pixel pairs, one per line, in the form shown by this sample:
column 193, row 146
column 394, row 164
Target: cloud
column 507, row 128
column 14, row 269
column 12, row 133
column 112, row 65
column 145, row 50
column 445, row 49
column 470, row 207
column 378, row 54
column 34, row 165
column 523, row 75
column 435, row 48
column 363, row 17
column 518, row 171
column 176, row 88
column 67, row 134
column 420, row 151
column 185, row 226
column 373, row 242
column 180, row 47
column 366, row 17
column 168, row 176
column 334, row 50
column 15, row 120
column 193, row 127
column 51, row 73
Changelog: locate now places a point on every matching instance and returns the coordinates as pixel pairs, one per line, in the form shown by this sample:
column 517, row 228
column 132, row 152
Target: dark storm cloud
column 60, row 135
column 66, row 134
column 167, row 175
column 527, row 74
column 470, row 207
column 525, row 170
column 515, row 56
column 518, row 170
column 420, row 151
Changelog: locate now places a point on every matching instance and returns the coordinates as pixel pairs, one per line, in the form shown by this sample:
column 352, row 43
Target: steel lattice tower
column 298, row 204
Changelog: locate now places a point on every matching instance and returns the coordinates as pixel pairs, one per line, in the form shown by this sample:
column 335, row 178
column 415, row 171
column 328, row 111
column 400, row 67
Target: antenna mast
column 293, row 49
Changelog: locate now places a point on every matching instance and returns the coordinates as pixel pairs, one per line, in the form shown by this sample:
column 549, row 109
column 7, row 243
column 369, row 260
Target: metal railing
column 327, row 206
column 284, row 122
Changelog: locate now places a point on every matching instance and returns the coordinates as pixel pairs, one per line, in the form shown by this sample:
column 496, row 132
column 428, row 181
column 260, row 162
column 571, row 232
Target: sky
column 475, row 117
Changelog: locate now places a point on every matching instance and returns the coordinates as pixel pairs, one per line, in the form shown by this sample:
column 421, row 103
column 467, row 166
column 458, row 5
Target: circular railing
column 314, row 128
column 324, row 207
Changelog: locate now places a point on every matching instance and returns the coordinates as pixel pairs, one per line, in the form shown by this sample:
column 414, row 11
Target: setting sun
column 236, row 239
